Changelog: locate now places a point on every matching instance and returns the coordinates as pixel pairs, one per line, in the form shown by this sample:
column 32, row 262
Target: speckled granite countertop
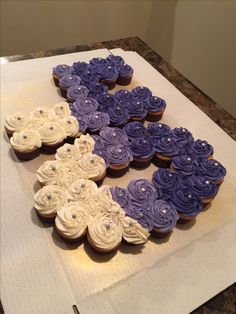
column 224, row 302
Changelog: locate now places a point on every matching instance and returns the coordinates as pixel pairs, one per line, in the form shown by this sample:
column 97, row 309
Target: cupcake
column 135, row 130
column 118, row 116
column 187, row 204
column 100, row 144
column 43, row 114
column 61, row 110
column 124, row 97
column 80, row 67
column 142, row 192
column 26, row 144
column 114, row 136
column 200, row 149
column 83, row 107
column 183, row 164
column 71, row 127
column 165, row 149
column 108, row 76
column 104, row 235
column 121, row 196
column 141, row 214
column 182, row 136
column 71, row 221
column 59, row 71
column 119, row 158
column 85, row 144
column 142, row 151
column 76, row 91
column 96, row 89
column 166, row 182
column 98, row 62
column 164, row 218
column 125, row 75
column 52, row 136
column 206, row 190
column 96, row 121
column 52, row 172
column 141, row 93
column 16, row 123
column 212, row 170
column 137, row 110
column 158, row 130
column 105, row 100
column 88, row 76
column 67, row 81
column 133, row 232
column 105, row 202
column 48, row 200
column 116, row 61
column 94, row 166
column 68, row 153
column 155, row 108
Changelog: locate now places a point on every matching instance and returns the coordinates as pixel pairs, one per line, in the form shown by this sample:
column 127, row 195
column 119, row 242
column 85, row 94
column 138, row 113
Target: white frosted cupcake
column 52, row 172
column 45, row 114
column 48, row 200
column 104, row 235
column 71, row 126
column 52, row 135
column 105, row 202
column 71, row 221
column 26, row 144
column 61, row 109
column 133, row 232
column 68, row 152
column 94, row 166
column 85, row 143
column 16, row 123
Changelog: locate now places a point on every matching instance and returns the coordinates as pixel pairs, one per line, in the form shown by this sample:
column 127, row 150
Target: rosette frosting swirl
column 142, row 191
column 49, row 199
column 26, row 140
column 16, row 122
column 211, row 169
column 164, row 216
column 141, row 92
column 119, row 155
column 200, row 149
column 184, row 164
column 166, row 180
column 125, row 70
column 70, row 125
column 85, row 144
column 68, row 80
column 68, row 152
column 88, row 76
column 77, row 91
column 117, row 61
column 93, row 165
column 118, row 115
column 107, row 72
column 105, row 101
column 133, row 232
column 136, row 108
column 61, row 109
column 80, row 67
column 72, row 220
column 124, row 96
column 202, row 187
column 182, row 135
column 166, row 146
column 140, row 213
column 154, row 104
column 96, row 89
column 97, row 120
column 114, row 136
column 135, row 130
column 121, row 196
column 61, row 70
column 158, row 130
column 83, row 191
column 83, row 106
column 52, row 133
column 42, row 113
column 141, row 148
column 51, row 172
column 100, row 144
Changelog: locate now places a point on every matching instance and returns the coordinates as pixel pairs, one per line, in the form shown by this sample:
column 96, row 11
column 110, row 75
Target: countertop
column 224, row 302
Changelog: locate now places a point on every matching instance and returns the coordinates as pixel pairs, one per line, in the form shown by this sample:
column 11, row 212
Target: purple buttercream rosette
column 135, row 129
column 121, row 196
column 114, row 136
column 97, row 120
column 118, row 154
column 83, row 107
column 141, row 148
column 61, row 70
column 158, row 130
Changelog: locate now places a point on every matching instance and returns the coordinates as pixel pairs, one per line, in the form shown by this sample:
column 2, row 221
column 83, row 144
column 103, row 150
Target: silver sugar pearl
column 207, row 182
column 164, row 211
column 86, row 101
column 73, row 216
column 170, row 174
column 189, row 159
column 168, row 139
column 84, row 141
column 183, row 130
column 143, row 189
column 96, row 117
column 61, row 107
column 109, row 67
column 138, row 102
column 216, row 164
column 126, row 92
column 68, row 122
column 18, row 118
column 51, row 128
column 144, row 141
column 160, row 125
column 25, row 137
column 70, row 77
column 114, row 134
column 141, row 215
column 68, row 150
column 41, row 111
column 53, row 168
column 79, row 88
column 189, row 196
column 119, row 150
column 141, row 87
column 82, row 185
column 203, row 144
column 131, row 224
column 49, row 197
column 92, row 161
column 108, row 226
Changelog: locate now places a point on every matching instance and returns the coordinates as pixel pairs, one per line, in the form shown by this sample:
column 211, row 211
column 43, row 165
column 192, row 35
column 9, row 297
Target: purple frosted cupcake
column 212, row 170
column 142, row 151
column 137, row 110
column 98, row 62
column 96, row 89
column 105, row 101
column 164, row 218
column 183, row 164
column 96, row 121
column 76, row 91
column 79, row 67
column 166, row 182
column 155, row 108
column 206, row 190
column 114, row 136
column 187, row 204
column 88, row 76
column 121, row 196
column 83, row 107
column 100, row 144
column 200, row 149
column 135, row 130
column 116, row 61
column 158, row 130
column 142, row 192
column 118, row 116
column 141, row 214
column 108, row 75
column 182, row 136
column 125, row 75
column 59, row 71
column 119, row 158
column 165, row 149
column 141, row 93
column 67, row 81
column 123, row 97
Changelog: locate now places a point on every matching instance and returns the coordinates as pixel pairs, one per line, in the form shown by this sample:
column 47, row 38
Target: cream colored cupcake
column 94, row 166
column 68, row 152
column 61, row 109
column 43, row 113
column 133, row 232
column 71, row 126
column 16, row 123
column 52, row 135
column 52, row 172
column 104, row 235
column 26, row 144
column 85, row 144
column 48, row 200
column 71, row 221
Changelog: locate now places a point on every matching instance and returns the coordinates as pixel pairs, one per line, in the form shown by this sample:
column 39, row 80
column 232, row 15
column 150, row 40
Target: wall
column 197, row 37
